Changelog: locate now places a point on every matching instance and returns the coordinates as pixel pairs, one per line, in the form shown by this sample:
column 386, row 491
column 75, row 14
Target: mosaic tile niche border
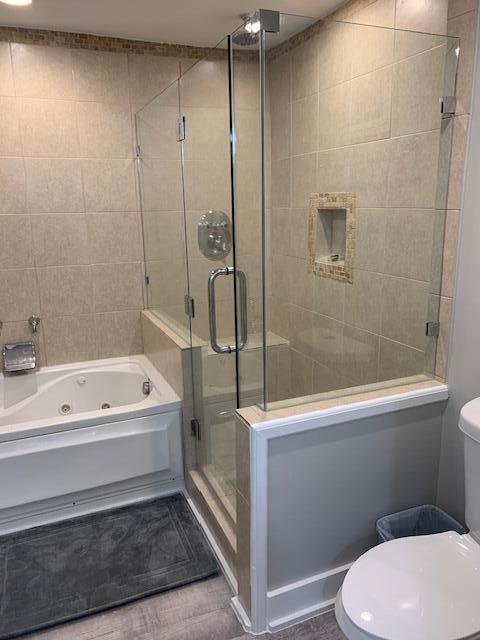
column 328, row 201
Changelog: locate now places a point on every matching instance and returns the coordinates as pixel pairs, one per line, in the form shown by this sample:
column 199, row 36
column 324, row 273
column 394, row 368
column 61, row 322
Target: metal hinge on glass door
column 432, row 329
column 189, row 306
column 195, row 428
column 181, row 129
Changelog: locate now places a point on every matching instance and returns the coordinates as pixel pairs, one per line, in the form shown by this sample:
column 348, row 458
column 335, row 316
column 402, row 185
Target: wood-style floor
column 200, row 611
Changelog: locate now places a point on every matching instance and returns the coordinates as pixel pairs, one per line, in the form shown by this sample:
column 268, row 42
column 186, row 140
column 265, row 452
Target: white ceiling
column 194, row 22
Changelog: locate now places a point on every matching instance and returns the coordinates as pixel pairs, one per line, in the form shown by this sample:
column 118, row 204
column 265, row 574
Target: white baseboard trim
column 85, row 502
column 304, row 599
column 226, row 569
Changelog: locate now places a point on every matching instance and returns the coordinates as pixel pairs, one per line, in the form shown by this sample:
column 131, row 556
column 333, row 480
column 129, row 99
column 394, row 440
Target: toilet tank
column 470, row 425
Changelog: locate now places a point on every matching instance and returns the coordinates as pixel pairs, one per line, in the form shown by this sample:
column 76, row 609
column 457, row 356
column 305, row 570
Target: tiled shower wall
column 355, row 108
column 69, row 225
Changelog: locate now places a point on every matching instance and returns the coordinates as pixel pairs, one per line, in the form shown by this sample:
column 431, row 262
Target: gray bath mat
column 58, row 572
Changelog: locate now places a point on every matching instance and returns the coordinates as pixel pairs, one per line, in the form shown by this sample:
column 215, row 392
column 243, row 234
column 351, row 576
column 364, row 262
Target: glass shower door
column 205, row 108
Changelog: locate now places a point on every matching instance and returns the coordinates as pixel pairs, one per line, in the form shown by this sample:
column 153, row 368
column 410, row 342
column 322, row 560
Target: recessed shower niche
column 331, row 235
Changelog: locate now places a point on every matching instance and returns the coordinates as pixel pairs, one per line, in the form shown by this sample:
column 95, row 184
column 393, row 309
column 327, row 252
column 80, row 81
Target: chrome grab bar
column 242, row 283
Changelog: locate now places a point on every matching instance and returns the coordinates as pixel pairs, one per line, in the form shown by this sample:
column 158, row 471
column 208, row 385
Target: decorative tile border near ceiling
column 331, row 235
column 92, row 42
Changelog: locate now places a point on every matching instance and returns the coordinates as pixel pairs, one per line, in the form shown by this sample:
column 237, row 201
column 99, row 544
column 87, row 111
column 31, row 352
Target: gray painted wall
column 328, row 486
column 464, row 365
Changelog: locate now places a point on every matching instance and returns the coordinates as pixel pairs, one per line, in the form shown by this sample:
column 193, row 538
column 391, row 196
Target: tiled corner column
column 242, row 448
column 462, row 23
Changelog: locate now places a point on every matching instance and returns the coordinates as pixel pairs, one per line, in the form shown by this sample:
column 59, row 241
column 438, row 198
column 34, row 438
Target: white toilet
column 426, row 587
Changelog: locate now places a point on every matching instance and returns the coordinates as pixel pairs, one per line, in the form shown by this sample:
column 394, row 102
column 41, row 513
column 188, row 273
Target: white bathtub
column 61, row 453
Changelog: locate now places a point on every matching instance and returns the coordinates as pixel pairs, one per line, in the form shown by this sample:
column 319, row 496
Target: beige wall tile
column 200, row 174
column 162, row 351
column 118, row 334
column 164, row 235
column 418, row 84
column 329, row 297
column 305, row 124
column 298, row 227
column 65, row 291
column 208, row 133
column 281, row 177
column 335, row 54
column 69, row 339
column 371, row 106
column 368, row 173
column 168, row 282
column 117, row 287
column 412, row 174
column 428, row 17
column 301, row 375
column 281, row 122
column 162, row 185
column 7, row 87
column 360, row 355
column 205, row 85
column 404, row 307
column 304, row 173
column 301, row 329
column 157, row 131
column 334, row 117
column 370, row 239
column 279, row 78
column 326, row 379
column 10, row 142
column 450, row 253
column 373, row 46
column 15, row 242
column 463, row 27
column 12, row 185
column 247, row 182
column 18, row 294
column 104, row 130
column 326, row 341
column 60, row 240
column 442, row 342
column 54, row 185
column 48, row 128
column 280, row 235
column 243, row 552
column 457, row 161
column 457, row 7
column 380, row 13
column 113, row 237
column 43, row 72
column 333, row 170
column 100, row 76
column 246, row 84
column 109, row 185
column 305, row 69
column 398, row 361
column 411, row 43
column 149, row 76
column 362, row 301
column 409, row 243
column 242, row 454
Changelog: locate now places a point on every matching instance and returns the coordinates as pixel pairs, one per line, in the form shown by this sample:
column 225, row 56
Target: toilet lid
column 419, row 588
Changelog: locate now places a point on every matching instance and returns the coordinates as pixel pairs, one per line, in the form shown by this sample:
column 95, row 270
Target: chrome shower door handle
column 242, row 291
column 212, row 313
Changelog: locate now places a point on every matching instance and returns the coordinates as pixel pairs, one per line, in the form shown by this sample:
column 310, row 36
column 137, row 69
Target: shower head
column 247, row 36
column 243, row 38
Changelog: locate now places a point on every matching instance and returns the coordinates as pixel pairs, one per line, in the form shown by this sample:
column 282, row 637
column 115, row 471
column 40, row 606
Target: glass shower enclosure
column 294, row 188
